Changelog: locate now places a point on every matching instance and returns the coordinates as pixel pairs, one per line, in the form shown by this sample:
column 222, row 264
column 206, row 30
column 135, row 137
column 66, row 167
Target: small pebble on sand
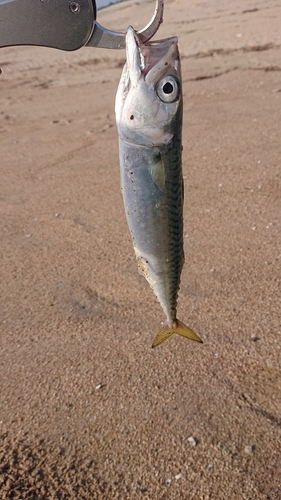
column 192, row 441
column 179, row 475
column 249, row 449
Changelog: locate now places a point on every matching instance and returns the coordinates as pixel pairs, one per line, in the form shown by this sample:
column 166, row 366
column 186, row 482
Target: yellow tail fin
column 179, row 328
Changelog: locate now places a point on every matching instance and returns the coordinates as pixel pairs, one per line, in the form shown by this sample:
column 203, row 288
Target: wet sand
column 88, row 410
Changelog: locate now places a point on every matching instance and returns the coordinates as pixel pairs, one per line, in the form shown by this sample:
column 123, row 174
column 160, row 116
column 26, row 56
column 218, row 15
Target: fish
column 149, row 111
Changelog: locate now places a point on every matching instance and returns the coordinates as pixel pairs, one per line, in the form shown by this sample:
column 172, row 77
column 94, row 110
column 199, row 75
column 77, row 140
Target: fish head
column 149, row 100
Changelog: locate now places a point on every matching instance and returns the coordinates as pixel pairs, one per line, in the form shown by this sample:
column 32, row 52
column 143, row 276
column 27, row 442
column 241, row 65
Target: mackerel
column 149, row 121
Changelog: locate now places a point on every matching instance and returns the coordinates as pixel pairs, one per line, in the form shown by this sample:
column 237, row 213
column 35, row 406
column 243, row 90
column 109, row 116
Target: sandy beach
column 88, row 411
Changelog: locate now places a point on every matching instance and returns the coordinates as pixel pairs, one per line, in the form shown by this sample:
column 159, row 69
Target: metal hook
column 104, row 38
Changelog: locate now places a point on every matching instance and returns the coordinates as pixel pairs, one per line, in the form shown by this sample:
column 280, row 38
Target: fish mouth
column 145, row 61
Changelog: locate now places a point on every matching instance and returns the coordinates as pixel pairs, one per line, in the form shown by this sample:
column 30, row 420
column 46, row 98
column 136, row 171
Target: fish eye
column 168, row 89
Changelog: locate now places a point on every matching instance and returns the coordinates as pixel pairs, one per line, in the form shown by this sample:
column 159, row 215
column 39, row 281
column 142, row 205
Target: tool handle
column 61, row 24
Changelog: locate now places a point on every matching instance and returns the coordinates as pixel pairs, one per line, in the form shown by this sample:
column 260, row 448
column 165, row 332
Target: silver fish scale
column 155, row 214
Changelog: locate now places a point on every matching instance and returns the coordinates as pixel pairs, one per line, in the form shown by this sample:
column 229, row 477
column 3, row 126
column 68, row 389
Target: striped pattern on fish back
column 174, row 214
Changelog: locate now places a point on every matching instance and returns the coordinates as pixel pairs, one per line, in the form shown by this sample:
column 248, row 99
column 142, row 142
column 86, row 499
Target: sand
column 88, row 410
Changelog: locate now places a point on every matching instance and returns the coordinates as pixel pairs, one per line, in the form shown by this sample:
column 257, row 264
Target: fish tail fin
column 177, row 327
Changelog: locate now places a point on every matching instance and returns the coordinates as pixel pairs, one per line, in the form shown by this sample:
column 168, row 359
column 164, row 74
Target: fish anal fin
column 142, row 266
column 179, row 328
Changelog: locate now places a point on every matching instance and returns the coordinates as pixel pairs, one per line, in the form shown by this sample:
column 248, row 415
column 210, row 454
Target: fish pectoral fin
column 157, row 171
column 179, row 328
